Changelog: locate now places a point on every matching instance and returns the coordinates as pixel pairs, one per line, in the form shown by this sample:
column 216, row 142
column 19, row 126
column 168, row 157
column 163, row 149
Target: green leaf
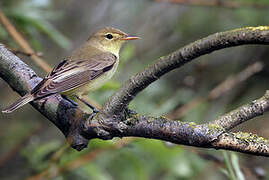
column 228, row 165
column 235, row 163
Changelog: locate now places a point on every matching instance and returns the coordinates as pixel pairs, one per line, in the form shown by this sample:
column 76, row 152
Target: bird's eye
column 109, row 36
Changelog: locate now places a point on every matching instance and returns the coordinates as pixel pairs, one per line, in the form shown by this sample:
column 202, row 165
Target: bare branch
column 115, row 120
column 208, row 135
column 22, row 79
column 250, row 35
column 243, row 142
column 23, row 43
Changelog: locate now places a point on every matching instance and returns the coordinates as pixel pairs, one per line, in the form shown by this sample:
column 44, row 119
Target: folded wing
column 68, row 75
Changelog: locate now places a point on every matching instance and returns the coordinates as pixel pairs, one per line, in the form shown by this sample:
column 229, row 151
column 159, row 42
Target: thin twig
column 23, row 43
column 244, row 113
column 234, row 80
column 228, row 84
column 16, row 51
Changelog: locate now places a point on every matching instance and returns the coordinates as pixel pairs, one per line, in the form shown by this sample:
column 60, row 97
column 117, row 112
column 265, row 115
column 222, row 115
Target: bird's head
column 110, row 39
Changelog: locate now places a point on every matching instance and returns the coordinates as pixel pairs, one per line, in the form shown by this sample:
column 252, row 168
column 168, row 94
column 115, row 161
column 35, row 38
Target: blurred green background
column 30, row 146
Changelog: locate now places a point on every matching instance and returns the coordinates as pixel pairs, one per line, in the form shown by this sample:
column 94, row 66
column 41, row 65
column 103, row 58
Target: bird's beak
column 130, row 38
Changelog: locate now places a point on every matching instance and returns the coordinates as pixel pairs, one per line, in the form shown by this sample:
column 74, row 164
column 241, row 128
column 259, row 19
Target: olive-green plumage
column 85, row 70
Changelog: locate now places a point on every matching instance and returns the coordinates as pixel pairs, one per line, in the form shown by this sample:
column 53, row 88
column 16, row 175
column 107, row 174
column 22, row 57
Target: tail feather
column 24, row 100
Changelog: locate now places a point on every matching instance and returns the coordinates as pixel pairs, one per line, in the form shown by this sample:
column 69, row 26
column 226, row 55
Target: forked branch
column 116, row 120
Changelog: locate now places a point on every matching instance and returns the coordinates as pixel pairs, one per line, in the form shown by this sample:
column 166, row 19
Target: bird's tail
column 24, row 100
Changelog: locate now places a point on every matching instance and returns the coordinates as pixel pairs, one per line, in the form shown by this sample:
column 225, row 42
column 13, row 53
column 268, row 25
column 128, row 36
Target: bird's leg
column 94, row 109
column 70, row 100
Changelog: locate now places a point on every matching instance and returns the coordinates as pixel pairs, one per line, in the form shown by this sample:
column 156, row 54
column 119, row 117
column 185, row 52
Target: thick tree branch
column 250, row 35
column 22, row 79
column 115, row 120
column 209, row 135
column 243, row 142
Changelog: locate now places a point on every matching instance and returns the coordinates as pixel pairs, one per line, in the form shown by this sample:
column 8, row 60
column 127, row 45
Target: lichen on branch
column 165, row 64
column 116, row 120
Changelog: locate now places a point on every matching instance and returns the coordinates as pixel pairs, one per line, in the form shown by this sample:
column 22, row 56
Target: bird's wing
column 68, row 74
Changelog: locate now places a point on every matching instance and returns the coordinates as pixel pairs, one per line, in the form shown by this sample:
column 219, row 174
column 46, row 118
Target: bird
column 85, row 70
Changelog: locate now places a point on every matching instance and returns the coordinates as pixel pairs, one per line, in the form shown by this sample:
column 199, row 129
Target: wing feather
column 68, row 75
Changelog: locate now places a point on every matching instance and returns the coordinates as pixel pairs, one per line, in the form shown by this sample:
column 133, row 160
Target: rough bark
column 116, row 120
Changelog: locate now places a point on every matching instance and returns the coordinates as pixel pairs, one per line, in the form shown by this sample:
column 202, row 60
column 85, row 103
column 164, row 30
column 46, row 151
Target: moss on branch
column 115, row 120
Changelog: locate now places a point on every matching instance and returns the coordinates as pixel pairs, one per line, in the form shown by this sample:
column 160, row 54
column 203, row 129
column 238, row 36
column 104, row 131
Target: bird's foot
column 94, row 109
column 70, row 100
column 92, row 115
